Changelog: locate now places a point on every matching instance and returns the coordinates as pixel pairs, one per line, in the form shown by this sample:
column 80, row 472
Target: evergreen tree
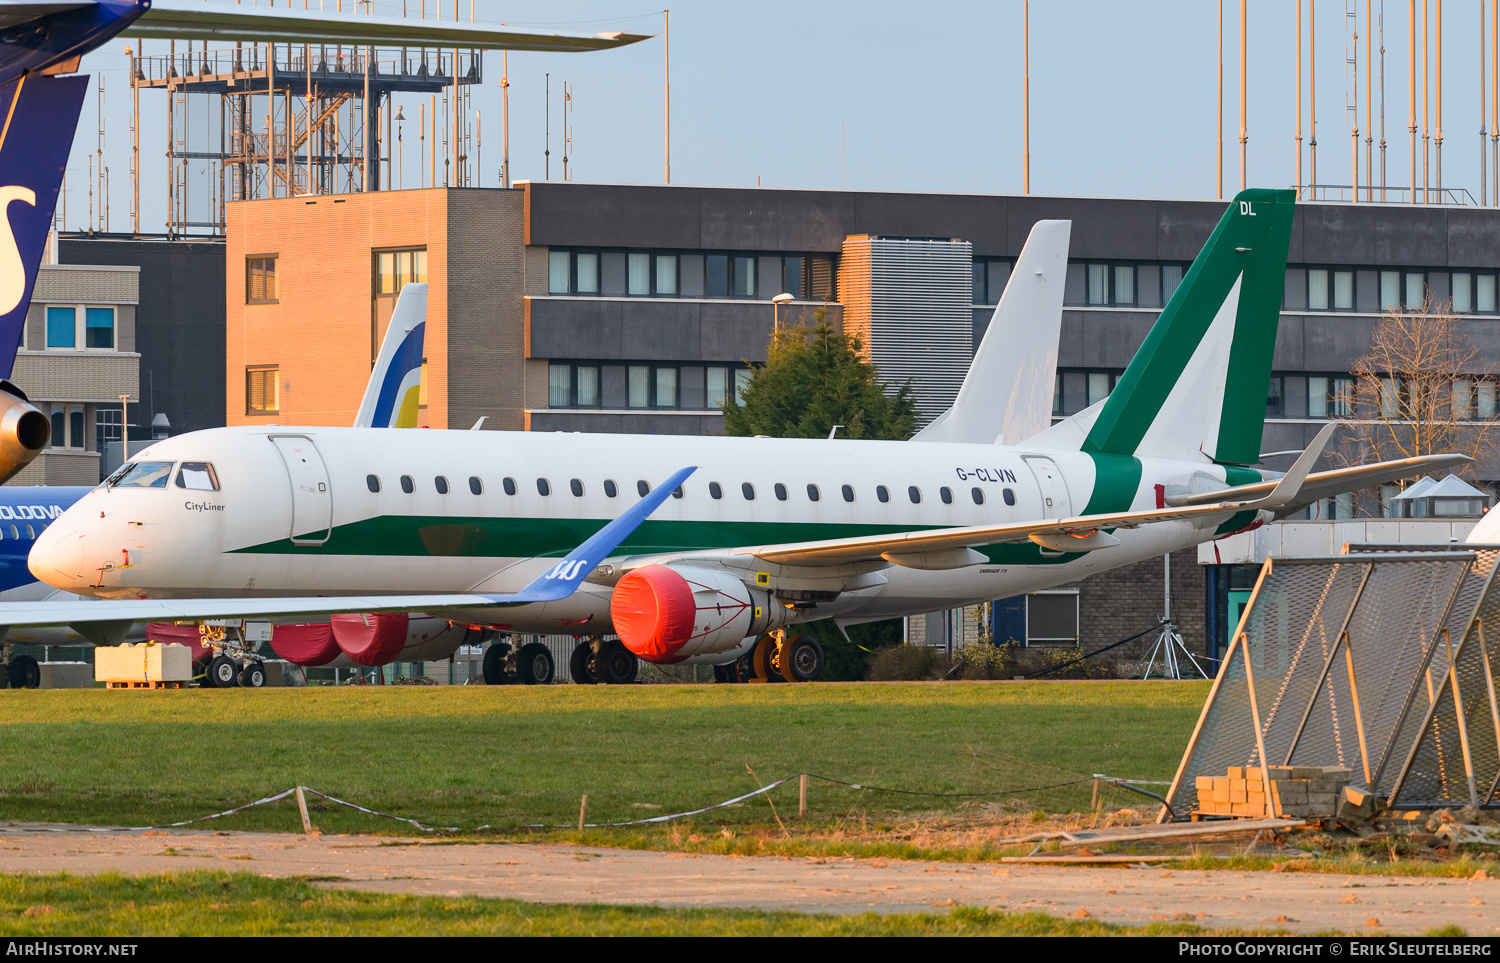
column 814, row 378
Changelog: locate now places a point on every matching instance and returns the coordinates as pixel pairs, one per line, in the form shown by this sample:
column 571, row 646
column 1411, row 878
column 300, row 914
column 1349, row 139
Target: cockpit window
column 119, row 473
column 144, row 474
column 198, row 476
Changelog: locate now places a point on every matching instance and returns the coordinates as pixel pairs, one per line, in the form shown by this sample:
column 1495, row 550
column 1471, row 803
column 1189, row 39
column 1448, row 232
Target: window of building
column 398, row 268
column 1390, row 290
column 260, row 280
column 1052, row 617
column 638, row 386
column 67, row 426
column 1414, row 290
column 1275, row 399
column 666, row 275
column 666, row 388
column 990, row 278
column 109, row 426
column 573, row 384
column 560, row 386
column 1075, row 389
column 638, row 274
column 586, row 275
column 1111, row 284
column 1330, row 290
column 1171, row 279
column 62, row 327
column 261, row 394
column 99, row 327
column 1098, row 290
column 1473, row 292
column 559, row 272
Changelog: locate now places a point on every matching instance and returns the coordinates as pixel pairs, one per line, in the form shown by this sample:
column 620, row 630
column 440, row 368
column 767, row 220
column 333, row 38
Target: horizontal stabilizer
column 558, row 582
column 1326, row 484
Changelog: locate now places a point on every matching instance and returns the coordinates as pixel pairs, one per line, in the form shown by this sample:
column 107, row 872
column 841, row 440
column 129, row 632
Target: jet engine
column 665, row 615
column 24, row 430
column 381, row 638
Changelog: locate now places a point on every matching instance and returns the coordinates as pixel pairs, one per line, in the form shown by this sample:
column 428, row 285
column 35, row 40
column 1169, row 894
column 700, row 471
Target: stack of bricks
column 1296, row 791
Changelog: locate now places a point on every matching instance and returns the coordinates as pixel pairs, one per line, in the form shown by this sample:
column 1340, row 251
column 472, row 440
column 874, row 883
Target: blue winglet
column 563, row 579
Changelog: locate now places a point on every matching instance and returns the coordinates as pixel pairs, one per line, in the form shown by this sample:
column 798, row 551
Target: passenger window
column 946, row 494
column 882, row 494
column 812, row 493
column 543, row 486
column 642, row 488
column 915, row 494
column 441, row 484
column 577, row 488
column 848, row 491
column 780, row 492
column 978, row 495
column 372, row 483
column 1009, row 496
column 509, row 485
column 146, row 474
column 15, row 532
column 748, row 490
column 475, row 485
column 677, row 492
column 197, row 476
column 715, row 491
column 407, row 485
column 30, row 532
column 610, row 489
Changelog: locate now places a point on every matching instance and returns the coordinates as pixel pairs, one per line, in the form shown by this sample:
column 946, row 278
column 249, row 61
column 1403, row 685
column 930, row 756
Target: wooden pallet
column 146, row 685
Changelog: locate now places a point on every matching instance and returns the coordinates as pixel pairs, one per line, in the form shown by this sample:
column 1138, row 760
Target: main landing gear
column 18, row 671
column 505, row 664
column 600, row 661
column 782, row 657
column 230, row 662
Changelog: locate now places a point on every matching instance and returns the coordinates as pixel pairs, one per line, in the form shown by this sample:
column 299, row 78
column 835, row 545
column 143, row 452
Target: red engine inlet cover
column 310, row 644
column 653, row 612
column 372, row 639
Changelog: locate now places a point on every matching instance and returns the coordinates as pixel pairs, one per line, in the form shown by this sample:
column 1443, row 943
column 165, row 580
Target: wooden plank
column 1084, row 860
column 1083, row 837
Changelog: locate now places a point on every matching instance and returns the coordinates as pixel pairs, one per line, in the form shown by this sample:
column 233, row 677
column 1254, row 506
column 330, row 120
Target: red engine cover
column 371, row 639
column 658, row 616
column 310, row 644
column 184, row 634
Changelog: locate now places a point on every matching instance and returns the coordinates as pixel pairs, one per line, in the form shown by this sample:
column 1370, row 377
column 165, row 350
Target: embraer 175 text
column 746, row 537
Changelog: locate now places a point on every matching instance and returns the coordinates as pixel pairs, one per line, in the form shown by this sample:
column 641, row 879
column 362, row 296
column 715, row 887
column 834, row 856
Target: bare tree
column 1415, row 392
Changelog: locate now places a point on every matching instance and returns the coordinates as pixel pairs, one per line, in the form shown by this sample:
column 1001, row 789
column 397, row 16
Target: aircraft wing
column 1325, row 484
column 909, row 548
column 558, row 582
column 23, row 11
column 195, row 20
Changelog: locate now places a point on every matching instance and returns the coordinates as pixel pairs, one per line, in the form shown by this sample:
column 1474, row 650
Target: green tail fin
column 1198, row 383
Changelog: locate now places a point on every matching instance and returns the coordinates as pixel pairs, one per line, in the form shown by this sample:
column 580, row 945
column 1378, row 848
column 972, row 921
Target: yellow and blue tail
column 395, row 388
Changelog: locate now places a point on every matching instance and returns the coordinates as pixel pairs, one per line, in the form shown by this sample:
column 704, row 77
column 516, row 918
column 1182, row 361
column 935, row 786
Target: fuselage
column 327, row 511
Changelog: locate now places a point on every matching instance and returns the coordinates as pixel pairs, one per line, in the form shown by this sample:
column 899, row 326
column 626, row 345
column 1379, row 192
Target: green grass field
column 510, row 756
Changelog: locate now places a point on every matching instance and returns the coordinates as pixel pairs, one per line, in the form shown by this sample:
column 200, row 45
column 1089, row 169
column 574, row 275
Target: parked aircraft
column 40, row 40
column 243, row 522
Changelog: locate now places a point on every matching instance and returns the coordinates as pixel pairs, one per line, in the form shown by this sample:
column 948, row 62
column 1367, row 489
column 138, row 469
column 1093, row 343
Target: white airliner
column 747, row 537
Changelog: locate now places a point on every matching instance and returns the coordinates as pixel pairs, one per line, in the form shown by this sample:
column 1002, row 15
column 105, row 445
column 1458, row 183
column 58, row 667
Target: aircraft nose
column 57, row 556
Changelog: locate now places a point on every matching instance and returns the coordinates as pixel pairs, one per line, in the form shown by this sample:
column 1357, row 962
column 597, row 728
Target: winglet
column 1286, row 489
column 563, row 579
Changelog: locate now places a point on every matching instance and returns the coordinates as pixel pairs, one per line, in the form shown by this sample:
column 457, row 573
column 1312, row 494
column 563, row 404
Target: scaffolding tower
column 287, row 120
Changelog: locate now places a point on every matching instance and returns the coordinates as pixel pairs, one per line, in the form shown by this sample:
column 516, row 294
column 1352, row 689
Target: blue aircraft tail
column 40, row 114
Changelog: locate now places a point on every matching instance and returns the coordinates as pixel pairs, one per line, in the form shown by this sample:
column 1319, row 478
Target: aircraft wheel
column 494, row 663
column 761, row 659
column 534, row 664
column 802, row 659
column 617, row 664
column 727, row 673
column 223, row 673
column 253, row 675
column 24, row 673
column 581, row 664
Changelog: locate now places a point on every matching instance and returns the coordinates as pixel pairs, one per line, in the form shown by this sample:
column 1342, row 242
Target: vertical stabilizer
column 38, row 115
column 1197, row 386
column 1007, row 392
column 395, row 385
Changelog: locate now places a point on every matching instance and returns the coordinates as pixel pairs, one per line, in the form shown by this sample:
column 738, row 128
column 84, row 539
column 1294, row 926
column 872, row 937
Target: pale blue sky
column 928, row 96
